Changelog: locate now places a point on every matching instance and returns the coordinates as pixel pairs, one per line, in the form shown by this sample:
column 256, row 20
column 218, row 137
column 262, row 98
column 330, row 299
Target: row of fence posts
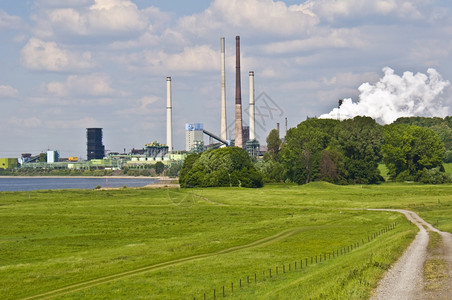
column 313, row 259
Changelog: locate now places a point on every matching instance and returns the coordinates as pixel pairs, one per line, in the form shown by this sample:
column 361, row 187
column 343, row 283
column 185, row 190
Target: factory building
column 156, row 150
column 52, row 156
column 95, row 148
column 194, row 137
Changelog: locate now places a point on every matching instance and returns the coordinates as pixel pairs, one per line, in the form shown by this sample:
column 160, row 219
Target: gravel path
column 405, row 279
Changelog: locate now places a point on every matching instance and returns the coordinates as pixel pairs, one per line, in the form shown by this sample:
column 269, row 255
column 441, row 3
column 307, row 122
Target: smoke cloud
column 393, row 97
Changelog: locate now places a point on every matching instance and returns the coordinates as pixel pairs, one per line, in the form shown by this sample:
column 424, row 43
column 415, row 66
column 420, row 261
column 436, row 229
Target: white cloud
column 96, row 85
column 47, row 56
column 144, row 106
column 334, row 38
column 430, row 52
column 84, row 122
column 264, row 16
column 330, row 88
column 8, row 21
column 350, row 79
column 117, row 18
column 7, row 91
column 332, row 10
column 31, row 122
column 197, row 58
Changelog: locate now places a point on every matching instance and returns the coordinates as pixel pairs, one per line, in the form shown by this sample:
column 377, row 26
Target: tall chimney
column 223, row 132
column 286, row 125
column 238, row 96
column 169, row 121
column 252, row 132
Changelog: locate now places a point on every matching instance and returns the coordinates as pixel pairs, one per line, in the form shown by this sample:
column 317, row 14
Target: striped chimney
column 238, row 97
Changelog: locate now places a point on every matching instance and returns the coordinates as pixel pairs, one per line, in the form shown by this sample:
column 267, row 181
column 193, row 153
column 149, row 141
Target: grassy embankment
column 171, row 244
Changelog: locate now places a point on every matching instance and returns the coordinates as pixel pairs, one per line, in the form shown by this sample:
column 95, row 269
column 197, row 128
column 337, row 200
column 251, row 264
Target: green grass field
column 180, row 244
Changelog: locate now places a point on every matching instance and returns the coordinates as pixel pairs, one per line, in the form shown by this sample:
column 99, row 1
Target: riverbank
column 31, row 183
column 160, row 178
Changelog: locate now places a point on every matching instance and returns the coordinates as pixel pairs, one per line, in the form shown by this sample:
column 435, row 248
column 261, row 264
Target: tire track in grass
column 109, row 278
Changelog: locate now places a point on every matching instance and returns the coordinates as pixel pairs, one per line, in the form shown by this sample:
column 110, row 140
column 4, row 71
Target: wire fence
column 257, row 277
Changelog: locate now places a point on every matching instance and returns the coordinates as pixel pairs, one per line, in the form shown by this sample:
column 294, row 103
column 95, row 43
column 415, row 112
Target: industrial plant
column 98, row 157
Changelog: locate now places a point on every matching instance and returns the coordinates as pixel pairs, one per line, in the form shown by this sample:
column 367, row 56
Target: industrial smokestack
column 252, row 132
column 238, row 96
column 286, row 125
column 169, row 118
column 223, row 132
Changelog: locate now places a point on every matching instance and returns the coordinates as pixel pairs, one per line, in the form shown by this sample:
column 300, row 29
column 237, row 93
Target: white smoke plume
column 394, row 96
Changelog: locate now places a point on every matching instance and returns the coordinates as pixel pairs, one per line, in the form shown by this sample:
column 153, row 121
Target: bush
column 159, row 167
column 145, row 173
column 174, row 169
column 448, row 156
column 404, row 176
column 434, row 176
column 225, row 167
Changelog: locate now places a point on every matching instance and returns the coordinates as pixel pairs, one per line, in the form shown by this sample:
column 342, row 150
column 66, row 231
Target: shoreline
column 159, row 178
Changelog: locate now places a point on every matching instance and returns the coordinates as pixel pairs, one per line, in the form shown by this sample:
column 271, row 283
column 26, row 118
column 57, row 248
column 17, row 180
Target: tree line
column 350, row 151
column 340, row 152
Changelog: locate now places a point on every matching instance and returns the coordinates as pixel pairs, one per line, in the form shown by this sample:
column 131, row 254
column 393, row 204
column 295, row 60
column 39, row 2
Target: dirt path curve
column 405, row 279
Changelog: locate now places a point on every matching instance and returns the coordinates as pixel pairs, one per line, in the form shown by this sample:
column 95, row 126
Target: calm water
column 39, row 183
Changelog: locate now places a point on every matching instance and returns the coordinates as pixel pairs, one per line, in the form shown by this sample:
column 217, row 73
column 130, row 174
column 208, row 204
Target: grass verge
column 435, row 268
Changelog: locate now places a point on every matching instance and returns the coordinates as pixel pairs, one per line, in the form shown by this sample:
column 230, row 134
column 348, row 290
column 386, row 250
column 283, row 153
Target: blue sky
column 69, row 65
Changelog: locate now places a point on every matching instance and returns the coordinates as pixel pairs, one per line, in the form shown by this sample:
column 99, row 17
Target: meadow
column 182, row 244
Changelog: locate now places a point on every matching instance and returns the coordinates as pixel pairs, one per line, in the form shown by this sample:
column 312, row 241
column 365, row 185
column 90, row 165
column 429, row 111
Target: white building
column 194, row 135
column 52, row 156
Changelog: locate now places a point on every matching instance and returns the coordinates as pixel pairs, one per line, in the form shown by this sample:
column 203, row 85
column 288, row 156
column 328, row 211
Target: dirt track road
column 405, row 280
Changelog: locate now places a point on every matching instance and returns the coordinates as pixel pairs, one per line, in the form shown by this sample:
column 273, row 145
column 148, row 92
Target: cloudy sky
column 69, row 65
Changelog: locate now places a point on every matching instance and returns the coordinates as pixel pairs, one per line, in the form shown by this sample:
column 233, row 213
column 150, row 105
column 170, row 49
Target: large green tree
column 303, row 148
column 271, row 167
column 334, row 151
column 273, row 145
column 443, row 127
column 360, row 141
column 409, row 150
column 229, row 166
